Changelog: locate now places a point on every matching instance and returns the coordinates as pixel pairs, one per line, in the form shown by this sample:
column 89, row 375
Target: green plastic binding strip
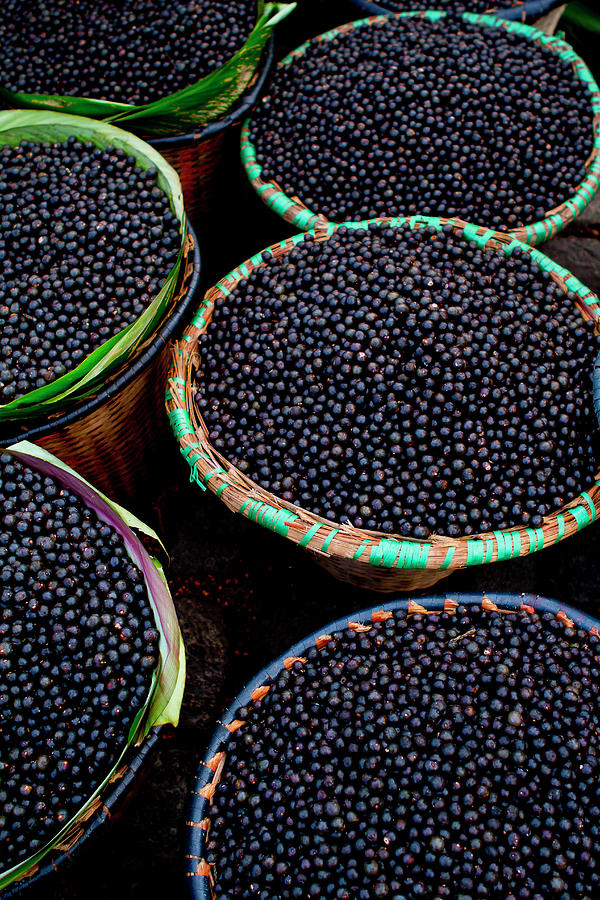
column 536, row 232
column 329, row 539
column 309, row 535
column 391, row 552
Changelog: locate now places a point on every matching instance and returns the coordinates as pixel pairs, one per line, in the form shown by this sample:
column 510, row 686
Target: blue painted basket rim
column 198, row 806
column 519, row 11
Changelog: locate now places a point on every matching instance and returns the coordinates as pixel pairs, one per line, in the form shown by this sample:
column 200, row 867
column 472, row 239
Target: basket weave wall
column 197, row 156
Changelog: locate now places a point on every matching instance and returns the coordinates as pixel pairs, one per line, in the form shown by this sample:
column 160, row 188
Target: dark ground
column 244, row 595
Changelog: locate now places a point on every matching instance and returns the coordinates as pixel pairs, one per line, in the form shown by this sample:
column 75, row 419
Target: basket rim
column 209, row 771
column 121, row 379
column 293, row 209
column 520, row 10
column 241, row 108
column 132, row 765
column 208, row 468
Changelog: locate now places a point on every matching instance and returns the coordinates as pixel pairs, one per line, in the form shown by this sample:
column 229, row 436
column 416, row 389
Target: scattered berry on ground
column 129, row 51
column 78, row 649
column 432, row 756
column 403, row 380
column 410, row 116
column 87, row 239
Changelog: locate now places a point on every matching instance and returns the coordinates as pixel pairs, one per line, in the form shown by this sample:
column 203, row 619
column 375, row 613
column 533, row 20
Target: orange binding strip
column 450, row 606
column 260, row 692
column 489, row 605
column 208, row 792
column 233, row 726
column 213, row 764
column 381, row 615
column 289, row 662
column 322, row 640
column 563, row 617
column 527, row 608
column 357, row 626
column 415, row 608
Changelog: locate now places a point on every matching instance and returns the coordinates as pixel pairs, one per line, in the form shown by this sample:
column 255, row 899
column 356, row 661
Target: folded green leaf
column 20, row 125
column 189, row 108
column 163, row 701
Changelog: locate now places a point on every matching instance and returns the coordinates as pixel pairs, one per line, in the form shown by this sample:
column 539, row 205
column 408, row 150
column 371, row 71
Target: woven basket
column 366, row 558
column 521, row 11
column 207, row 781
column 294, row 211
column 116, row 437
column 105, row 809
column 197, row 156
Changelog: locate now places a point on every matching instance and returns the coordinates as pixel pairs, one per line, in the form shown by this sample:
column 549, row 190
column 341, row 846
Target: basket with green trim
column 284, row 184
column 91, row 653
column 190, row 73
column 368, row 558
column 109, row 394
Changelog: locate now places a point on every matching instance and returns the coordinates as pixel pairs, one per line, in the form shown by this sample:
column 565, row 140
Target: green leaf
column 192, row 107
column 75, row 106
column 20, row 125
column 163, row 701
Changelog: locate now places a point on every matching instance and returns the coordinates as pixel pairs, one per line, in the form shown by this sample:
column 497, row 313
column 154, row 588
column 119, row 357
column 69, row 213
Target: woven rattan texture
column 294, row 211
column 199, row 872
column 106, row 807
column 114, row 445
column 117, row 439
column 364, row 558
column 197, row 162
column 197, row 157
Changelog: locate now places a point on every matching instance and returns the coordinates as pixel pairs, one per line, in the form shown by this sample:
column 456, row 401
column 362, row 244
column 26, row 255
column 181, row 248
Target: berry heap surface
column 87, row 239
column 78, row 649
column 426, row 757
column 408, row 116
column 403, row 380
column 128, row 51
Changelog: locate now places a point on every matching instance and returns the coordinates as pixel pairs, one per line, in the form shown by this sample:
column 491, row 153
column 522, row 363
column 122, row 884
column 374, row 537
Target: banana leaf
column 163, row 702
column 91, row 373
column 187, row 109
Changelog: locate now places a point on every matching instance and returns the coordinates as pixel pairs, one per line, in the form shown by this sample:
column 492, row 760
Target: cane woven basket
column 115, row 437
column 366, row 558
column 201, row 878
column 104, row 810
column 294, row 210
column 521, row 11
column 197, row 156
